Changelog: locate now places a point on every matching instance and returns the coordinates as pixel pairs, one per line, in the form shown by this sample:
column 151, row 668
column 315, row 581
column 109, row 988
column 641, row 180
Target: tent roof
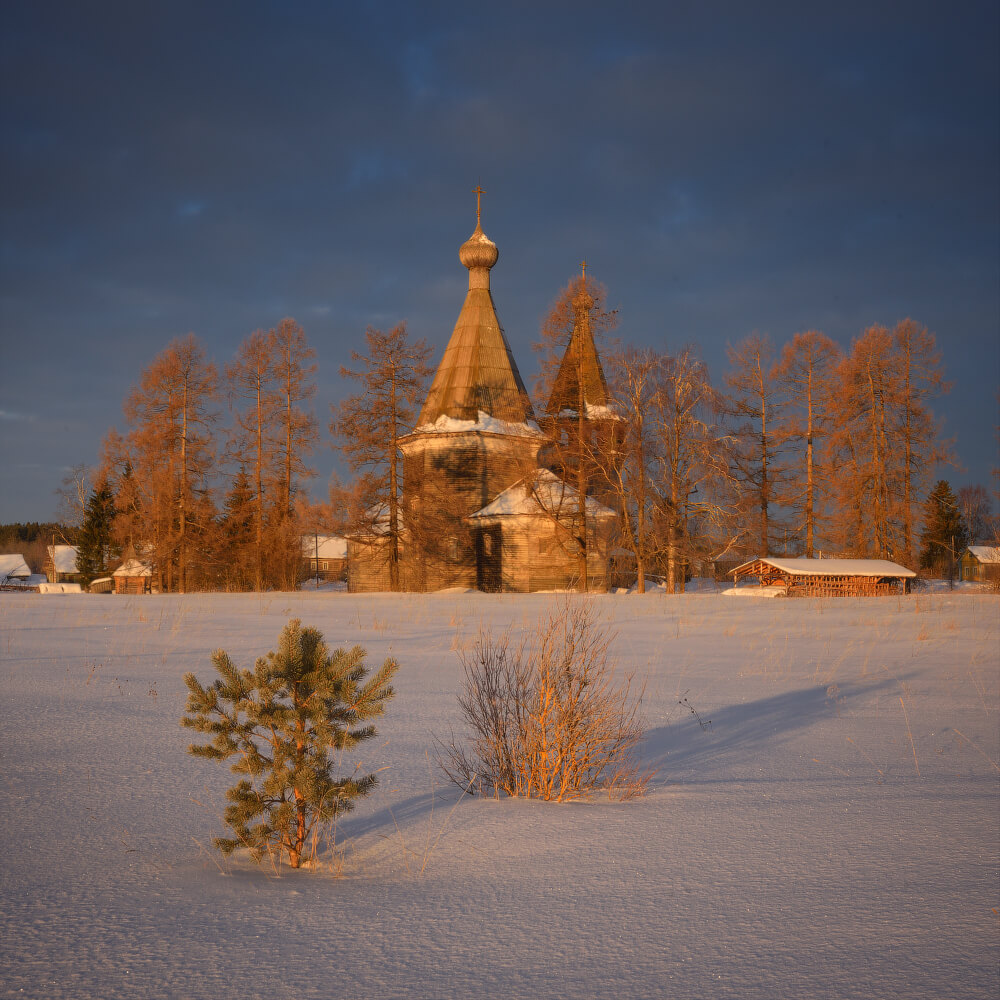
column 478, row 372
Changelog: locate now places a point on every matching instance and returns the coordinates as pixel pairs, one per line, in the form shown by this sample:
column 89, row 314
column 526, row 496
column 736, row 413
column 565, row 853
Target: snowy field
column 835, row 831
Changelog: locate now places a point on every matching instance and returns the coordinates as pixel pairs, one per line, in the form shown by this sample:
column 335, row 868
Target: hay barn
column 827, row 577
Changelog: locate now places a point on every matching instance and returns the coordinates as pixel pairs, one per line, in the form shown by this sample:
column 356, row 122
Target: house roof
column 477, row 372
column 545, row 493
column 64, row 558
column 832, row 567
column 132, row 567
column 985, row 553
column 328, row 546
column 13, row 564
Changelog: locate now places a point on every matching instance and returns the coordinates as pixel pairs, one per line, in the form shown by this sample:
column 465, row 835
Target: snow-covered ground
column 835, row 831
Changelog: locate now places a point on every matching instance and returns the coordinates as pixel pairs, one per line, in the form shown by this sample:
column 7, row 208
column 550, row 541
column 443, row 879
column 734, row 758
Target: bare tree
column 920, row 377
column 755, row 405
column 368, row 426
column 252, row 440
column 806, row 378
column 72, row 492
column 636, row 378
column 868, row 467
column 977, row 512
column 693, row 465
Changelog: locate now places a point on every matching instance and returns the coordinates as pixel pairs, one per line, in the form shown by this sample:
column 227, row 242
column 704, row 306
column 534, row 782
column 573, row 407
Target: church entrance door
column 489, row 567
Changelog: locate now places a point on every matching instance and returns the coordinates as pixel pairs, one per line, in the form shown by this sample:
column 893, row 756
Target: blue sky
column 723, row 168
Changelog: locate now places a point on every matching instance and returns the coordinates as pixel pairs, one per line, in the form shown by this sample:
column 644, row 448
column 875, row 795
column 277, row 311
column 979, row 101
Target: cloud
column 16, row 417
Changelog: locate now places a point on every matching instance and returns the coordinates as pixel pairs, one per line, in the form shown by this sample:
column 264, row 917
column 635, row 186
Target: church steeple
column 478, row 372
column 581, row 363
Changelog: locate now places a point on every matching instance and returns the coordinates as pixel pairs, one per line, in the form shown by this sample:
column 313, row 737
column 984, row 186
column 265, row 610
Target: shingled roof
column 478, row 372
column 580, row 363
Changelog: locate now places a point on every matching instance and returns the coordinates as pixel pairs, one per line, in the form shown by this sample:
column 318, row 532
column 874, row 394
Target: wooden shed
column 133, row 577
column 980, row 563
column 61, row 565
column 827, row 577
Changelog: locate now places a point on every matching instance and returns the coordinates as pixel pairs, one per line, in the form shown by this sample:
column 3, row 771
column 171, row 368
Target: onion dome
column 478, row 250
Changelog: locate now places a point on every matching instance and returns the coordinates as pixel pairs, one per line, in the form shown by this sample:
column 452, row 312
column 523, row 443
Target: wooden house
column 525, row 538
column 980, row 563
column 133, row 577
column 826, row 577
column 325, row 557
column 61, row 565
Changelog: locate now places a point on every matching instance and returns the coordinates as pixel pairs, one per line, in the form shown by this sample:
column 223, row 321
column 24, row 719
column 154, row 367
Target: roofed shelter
column 827, row 577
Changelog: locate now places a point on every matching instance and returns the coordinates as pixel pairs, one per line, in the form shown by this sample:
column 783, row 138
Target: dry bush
column 547, row 718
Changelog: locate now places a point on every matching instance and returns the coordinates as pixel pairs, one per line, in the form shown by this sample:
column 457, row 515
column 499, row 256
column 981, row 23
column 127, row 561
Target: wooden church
column 480, row 506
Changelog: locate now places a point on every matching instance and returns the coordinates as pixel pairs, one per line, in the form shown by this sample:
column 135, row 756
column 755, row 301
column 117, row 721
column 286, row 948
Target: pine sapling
column 283, row 722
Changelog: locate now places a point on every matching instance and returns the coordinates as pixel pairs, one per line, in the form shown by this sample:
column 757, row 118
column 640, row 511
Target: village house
column 325, row 557
column 13, row 569
column 980, row 563
column 479, row 508
column 61, row 564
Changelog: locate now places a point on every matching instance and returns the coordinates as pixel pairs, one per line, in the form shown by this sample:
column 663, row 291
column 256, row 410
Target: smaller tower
column 580, row 417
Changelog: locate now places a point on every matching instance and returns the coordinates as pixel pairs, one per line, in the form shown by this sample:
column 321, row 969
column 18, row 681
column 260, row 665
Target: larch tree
column 294, row 368
column 368, row 426
column 919, row 376
column 868, row 465
column 253, row 440
column 755, row 404
column 806, row 379
column 692, row 477
column 635, row 377
column 171, row 413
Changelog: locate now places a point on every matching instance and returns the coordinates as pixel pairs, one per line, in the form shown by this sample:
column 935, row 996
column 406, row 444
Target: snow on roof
column 132, row 567
column 593, row 411
column 64, row 558
column 329, row 546
column 13, row 564
column 832, row 567
column 985, row 553
column 547, row 494
column 485, row 424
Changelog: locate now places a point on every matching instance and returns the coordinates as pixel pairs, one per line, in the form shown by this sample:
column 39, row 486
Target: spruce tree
column 282, row 721
column 944, row 534
column 95, row 547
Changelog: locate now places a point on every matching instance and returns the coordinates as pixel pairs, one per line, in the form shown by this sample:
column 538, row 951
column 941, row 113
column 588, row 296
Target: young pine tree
column 282, row 721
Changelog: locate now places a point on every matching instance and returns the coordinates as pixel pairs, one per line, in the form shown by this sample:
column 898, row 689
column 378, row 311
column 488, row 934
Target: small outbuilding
column 133, row 577
column 980, row 563
column 826, row 577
